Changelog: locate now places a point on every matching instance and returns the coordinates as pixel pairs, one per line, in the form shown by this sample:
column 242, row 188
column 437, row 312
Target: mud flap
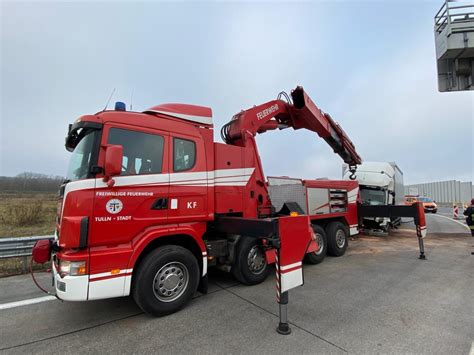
column 203, row 285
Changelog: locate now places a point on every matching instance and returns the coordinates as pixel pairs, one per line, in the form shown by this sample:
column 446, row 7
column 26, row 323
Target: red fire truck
column 151, row 201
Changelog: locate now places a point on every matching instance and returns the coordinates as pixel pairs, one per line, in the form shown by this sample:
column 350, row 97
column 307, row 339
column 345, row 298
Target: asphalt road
column 440, row 223
column 379, row 297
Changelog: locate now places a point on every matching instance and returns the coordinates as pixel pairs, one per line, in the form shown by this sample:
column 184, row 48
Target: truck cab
column 132, row 177
column 381, row 183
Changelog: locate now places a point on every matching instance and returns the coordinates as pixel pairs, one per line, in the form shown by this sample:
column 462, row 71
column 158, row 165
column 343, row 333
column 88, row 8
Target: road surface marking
column 462, row 224
column 26, row 302
column 472, row 349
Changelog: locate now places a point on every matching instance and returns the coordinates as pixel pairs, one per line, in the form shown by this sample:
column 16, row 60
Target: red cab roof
column 194, row 113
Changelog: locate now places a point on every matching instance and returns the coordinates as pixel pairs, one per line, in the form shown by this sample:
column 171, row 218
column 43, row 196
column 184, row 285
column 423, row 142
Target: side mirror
column 113, row 161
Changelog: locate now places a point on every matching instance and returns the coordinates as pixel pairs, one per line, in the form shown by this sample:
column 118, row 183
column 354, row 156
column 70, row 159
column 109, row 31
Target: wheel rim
column 320, row 241
column 340, row 238
column 256, row 260
column 170, row 281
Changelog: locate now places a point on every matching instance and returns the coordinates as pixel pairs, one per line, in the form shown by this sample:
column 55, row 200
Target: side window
column 184, row 154
column 142, row 152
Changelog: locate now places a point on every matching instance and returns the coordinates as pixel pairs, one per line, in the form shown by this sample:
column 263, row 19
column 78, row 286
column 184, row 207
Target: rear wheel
column 166, row 280
column 319, row 254
column 337, row 236
column 250, row 265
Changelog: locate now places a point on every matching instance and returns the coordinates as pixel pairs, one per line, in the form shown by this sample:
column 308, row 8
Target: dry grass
column 25, row 214
column 21, row 265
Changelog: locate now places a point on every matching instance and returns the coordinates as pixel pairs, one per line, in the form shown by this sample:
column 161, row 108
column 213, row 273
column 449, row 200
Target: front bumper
column 71, row 288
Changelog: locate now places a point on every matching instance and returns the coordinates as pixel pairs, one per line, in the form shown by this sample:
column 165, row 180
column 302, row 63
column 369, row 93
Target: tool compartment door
column 318, row 201
column 284, row 189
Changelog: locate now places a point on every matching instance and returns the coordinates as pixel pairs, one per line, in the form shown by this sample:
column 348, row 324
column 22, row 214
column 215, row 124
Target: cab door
column 189, row 179
column 139, row 197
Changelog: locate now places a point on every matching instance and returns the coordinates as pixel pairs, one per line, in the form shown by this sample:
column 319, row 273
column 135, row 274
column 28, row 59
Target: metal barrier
column 20, row 246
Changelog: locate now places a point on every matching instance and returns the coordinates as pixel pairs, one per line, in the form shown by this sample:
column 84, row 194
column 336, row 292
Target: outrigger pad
column 289, row 207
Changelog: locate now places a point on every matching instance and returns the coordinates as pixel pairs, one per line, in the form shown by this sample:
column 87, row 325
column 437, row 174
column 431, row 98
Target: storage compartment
column 337, row 201
column 283, row 189
column 326, row 201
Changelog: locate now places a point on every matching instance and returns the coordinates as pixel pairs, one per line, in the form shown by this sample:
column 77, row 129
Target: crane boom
column 302, row 113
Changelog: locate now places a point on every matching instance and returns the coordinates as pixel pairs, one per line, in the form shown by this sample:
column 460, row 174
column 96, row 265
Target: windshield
column 424, row 199
column 372, row 196
column 81, row 157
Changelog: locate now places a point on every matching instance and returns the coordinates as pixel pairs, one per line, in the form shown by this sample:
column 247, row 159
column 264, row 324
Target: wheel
column 165, row 280
column 250, row 265
column 337, row 237
column 434, row 211
column 318, row 255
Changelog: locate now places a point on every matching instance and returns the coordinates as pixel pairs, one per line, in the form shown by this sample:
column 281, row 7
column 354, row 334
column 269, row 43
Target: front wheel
column 319, row 254
column 165, row 280
column 338, row 235
column 250, row 264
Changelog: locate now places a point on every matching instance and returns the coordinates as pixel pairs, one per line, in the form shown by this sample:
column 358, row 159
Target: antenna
column 131, row 100
column 108, row 101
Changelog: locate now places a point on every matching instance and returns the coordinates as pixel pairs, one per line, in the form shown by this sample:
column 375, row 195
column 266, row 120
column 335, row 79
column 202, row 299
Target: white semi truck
column 381, row 183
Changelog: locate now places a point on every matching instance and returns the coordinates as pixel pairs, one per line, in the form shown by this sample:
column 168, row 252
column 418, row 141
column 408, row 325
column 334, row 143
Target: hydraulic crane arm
column 302, row 113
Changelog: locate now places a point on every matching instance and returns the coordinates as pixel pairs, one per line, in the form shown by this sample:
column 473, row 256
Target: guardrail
column 20, row 246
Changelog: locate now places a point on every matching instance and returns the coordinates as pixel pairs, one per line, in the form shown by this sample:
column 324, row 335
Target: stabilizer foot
column 422, row 257
column 283, row 328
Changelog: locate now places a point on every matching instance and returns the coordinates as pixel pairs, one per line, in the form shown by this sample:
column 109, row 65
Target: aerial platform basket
column 454, row 38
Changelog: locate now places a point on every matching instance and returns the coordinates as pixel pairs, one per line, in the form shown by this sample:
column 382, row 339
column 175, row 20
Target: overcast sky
column 371, row 65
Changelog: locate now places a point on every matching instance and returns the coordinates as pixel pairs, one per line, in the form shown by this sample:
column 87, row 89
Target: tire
column 250, row 265
column 180, row 271
column 318, row 256
column 338, row 238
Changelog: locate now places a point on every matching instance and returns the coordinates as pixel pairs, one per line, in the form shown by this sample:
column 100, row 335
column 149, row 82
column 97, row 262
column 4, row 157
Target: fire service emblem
column 114, row 206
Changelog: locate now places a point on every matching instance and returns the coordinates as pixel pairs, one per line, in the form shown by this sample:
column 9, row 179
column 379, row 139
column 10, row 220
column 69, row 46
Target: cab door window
column 184, row 154
column 142, row 152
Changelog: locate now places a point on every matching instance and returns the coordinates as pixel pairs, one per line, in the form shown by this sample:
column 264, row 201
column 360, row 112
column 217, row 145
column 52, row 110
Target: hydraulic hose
column 36, row 282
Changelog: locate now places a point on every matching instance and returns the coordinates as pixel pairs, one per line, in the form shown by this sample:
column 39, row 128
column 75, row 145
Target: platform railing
column 449, row 14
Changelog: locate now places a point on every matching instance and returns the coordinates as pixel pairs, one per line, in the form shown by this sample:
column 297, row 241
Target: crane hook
column 352, row 169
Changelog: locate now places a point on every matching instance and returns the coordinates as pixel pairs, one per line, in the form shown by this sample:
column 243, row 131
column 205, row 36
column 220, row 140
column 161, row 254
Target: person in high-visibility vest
column 469, row 213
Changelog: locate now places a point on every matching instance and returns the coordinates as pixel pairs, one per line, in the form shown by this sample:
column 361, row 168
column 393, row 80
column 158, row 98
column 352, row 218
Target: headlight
column 72, row 268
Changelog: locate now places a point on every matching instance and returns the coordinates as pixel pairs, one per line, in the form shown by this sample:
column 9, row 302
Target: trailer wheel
column 250, row 265
column 337, row 236
column 318, row 255
column 166, row 280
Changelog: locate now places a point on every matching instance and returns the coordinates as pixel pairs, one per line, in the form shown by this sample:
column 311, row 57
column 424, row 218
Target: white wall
column 444, row 191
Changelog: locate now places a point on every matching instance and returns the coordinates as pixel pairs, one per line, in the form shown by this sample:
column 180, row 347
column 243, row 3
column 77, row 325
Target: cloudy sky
column 371, row 65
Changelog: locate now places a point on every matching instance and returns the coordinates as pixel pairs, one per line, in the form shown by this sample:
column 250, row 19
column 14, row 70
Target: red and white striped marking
column 277, row 272
column 455, row 212
column 109, row 275
column 287, row 276
column 421, row 230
